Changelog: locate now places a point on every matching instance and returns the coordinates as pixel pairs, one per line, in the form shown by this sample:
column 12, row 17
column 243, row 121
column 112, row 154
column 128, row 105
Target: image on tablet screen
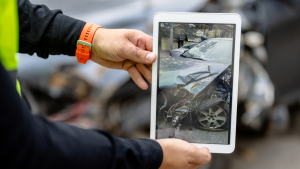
column 195, row 69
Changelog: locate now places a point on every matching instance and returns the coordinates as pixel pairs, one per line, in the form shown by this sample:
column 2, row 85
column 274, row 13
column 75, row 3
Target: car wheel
column 214, row 118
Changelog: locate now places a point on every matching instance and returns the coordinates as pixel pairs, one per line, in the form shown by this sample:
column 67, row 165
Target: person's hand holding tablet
column 130, row 50
column 179, row 154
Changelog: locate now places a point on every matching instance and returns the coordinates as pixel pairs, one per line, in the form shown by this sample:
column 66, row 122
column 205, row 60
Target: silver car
column 198, row 83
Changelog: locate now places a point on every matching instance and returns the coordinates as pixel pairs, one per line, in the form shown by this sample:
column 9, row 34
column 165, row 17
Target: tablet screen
column 195, row 69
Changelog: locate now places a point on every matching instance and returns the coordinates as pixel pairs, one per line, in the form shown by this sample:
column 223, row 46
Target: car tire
column 211, row 112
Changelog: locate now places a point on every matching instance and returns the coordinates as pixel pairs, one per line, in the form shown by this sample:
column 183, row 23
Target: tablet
column 195, row 78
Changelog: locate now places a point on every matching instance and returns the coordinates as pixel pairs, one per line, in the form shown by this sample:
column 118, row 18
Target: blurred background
column 92, row 96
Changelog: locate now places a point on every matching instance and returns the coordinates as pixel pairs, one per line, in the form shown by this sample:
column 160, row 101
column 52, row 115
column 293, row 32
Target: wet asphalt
column 270, row 150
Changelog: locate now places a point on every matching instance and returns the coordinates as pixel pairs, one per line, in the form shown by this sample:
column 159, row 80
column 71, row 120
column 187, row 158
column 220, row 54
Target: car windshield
column 212, row 50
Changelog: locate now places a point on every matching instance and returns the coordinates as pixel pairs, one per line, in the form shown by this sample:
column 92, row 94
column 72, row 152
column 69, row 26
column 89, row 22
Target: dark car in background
column 179, row 51
column 198, row 82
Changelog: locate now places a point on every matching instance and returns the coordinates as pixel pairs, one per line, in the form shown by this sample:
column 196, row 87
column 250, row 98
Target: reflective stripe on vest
column 9, row 36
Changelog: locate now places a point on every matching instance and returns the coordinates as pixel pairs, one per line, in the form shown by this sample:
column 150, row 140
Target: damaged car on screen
column 196, row 86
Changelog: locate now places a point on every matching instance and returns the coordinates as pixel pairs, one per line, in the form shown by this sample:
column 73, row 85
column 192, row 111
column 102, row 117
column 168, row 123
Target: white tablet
column 195, row 78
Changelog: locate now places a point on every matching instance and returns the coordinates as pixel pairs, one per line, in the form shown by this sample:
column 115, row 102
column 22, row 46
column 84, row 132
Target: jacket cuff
column 151, row 152
column 65, row 33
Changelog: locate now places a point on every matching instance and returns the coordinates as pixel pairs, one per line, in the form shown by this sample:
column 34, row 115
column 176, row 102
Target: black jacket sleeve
column 44, row 31
column 29, row 141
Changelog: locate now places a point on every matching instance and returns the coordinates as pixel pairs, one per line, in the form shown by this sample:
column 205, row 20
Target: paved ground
column 191, row 134
column 274, row 151
column 269, row 151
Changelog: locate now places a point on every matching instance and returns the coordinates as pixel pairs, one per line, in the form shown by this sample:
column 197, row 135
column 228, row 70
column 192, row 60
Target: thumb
column 201, row 156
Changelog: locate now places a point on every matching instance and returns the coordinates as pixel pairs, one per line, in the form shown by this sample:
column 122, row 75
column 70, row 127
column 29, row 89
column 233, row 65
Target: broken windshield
column 216, row 50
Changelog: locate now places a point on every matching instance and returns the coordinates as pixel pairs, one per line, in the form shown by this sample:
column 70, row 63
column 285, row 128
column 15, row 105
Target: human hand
column 130, row 50
column 179, row 154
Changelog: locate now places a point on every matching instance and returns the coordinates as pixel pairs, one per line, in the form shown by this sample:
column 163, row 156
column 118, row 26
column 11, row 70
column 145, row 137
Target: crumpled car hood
column 187, row 77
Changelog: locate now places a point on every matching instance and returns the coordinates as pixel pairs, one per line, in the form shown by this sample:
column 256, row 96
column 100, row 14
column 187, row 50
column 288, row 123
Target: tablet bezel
column 213, row 18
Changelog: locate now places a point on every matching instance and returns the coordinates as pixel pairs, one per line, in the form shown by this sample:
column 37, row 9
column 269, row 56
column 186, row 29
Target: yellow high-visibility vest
column 9, row 36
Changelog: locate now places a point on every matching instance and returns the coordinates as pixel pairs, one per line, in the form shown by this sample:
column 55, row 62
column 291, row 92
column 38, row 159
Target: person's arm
column 29, row 141
column 44, row 31
column 129, row 50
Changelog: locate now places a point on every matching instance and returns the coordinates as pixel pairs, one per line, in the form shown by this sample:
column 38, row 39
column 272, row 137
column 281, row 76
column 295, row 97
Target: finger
column 149, row 43
column 145, row 71
column 137, row 77
column 194, row 166
column 127, row 64
column 149, row 65
column 131, row 52
column 201, row 156
column 108, row 63
column 141, row 40
column 141, row 43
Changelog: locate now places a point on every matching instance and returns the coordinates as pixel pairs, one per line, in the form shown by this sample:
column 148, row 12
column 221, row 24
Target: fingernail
column 150, row 57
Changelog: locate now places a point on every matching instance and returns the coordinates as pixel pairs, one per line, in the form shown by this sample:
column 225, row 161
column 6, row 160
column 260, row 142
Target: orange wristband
column 84, row 44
